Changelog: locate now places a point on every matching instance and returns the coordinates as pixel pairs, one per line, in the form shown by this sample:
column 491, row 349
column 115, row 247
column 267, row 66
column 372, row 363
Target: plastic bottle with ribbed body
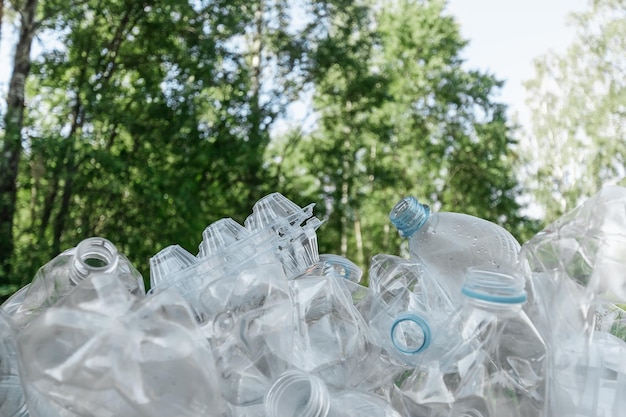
column 448, row 243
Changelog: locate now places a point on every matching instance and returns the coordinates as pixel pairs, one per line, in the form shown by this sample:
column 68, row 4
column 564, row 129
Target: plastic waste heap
column 260, row 324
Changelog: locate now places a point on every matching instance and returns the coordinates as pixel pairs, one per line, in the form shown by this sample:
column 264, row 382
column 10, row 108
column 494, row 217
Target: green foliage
column 146, row 123
column 398, row 115
column 577, row 99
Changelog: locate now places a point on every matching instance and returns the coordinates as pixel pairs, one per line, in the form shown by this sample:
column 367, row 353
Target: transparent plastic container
column 500, row 369
column 293, row 231
column 333, row 341
column 249, row 320
column 58, row 277
column 411, row 314
column 12, row 399
column 449, row 243
column 101, row 351
column 300, row 394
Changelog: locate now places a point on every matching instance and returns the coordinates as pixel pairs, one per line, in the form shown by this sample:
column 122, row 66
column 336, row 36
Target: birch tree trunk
column 11, row 142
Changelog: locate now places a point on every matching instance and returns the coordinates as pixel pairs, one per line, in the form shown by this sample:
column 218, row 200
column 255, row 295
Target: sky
column 506, row 36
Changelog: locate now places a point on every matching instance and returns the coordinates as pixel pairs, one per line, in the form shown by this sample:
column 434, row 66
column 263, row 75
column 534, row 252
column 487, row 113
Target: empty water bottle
column 249, row 320
column 63, row 273
column 227, row 248
column 577, row 271
column 449, row 243
column 500, row 368
column 300, row 394
column 167, row 263
column 12, row 400
column 103, row 352
column 333, row 341
column 294, row 239
column 410, row 313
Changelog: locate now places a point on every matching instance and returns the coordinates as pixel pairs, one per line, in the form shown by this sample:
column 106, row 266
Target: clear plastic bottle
column 101, row 352
column 168, row 262
column 410, row 312
column 333, row 340
column 449, row 243
column 249, row 320
column 300, row 394
column 95, row 255
column 12, row 400
column 293, row 230
column 500, row 368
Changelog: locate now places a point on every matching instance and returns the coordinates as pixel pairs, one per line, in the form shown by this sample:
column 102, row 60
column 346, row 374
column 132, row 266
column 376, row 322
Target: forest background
column 145, row 121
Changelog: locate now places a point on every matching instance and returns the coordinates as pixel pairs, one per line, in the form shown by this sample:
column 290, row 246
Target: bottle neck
column 409, row 215
column 297, row 394
column 499, row 309
column 93, row 255
column 494, row 290
column 410, row 334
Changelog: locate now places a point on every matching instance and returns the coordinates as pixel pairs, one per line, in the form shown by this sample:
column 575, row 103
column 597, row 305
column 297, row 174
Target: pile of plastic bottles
column 259, row 324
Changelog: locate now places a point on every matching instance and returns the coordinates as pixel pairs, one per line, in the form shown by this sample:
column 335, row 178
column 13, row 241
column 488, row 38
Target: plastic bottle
column 577, row 263
column 500, row 368
column 101, row 352
column 411, row 313
column 249, row 321
column 300, row 394
column 168, row 262
column 292, row 227
column 12, row 400
column 227, row 249
column 333, row 341
column 449, row 243
column 58, row 277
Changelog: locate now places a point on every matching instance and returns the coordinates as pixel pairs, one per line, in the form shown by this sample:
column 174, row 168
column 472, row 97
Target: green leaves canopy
column 148, row 121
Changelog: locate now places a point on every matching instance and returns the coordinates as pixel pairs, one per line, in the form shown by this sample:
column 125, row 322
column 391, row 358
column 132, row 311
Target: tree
column 577, row 102
column 11, row 139
column 398, row 114
column 149, row 122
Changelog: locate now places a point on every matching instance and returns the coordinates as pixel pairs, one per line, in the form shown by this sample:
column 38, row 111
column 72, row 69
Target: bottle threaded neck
column 94, row 254
column 409, row 215
column 297, row 394
column 494, row 286
column 410, row 334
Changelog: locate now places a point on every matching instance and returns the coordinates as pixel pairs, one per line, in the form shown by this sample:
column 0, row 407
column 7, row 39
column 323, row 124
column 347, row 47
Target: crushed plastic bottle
column 500, row 368
column 249, row 321
column 577, row 269
column 411, row 313
column 449, row 243
column 293, row 229
column 58, row 277
column 101, row 352
column 169, row 262
column 299, row 394
column 333, row 341
column 12, row 399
